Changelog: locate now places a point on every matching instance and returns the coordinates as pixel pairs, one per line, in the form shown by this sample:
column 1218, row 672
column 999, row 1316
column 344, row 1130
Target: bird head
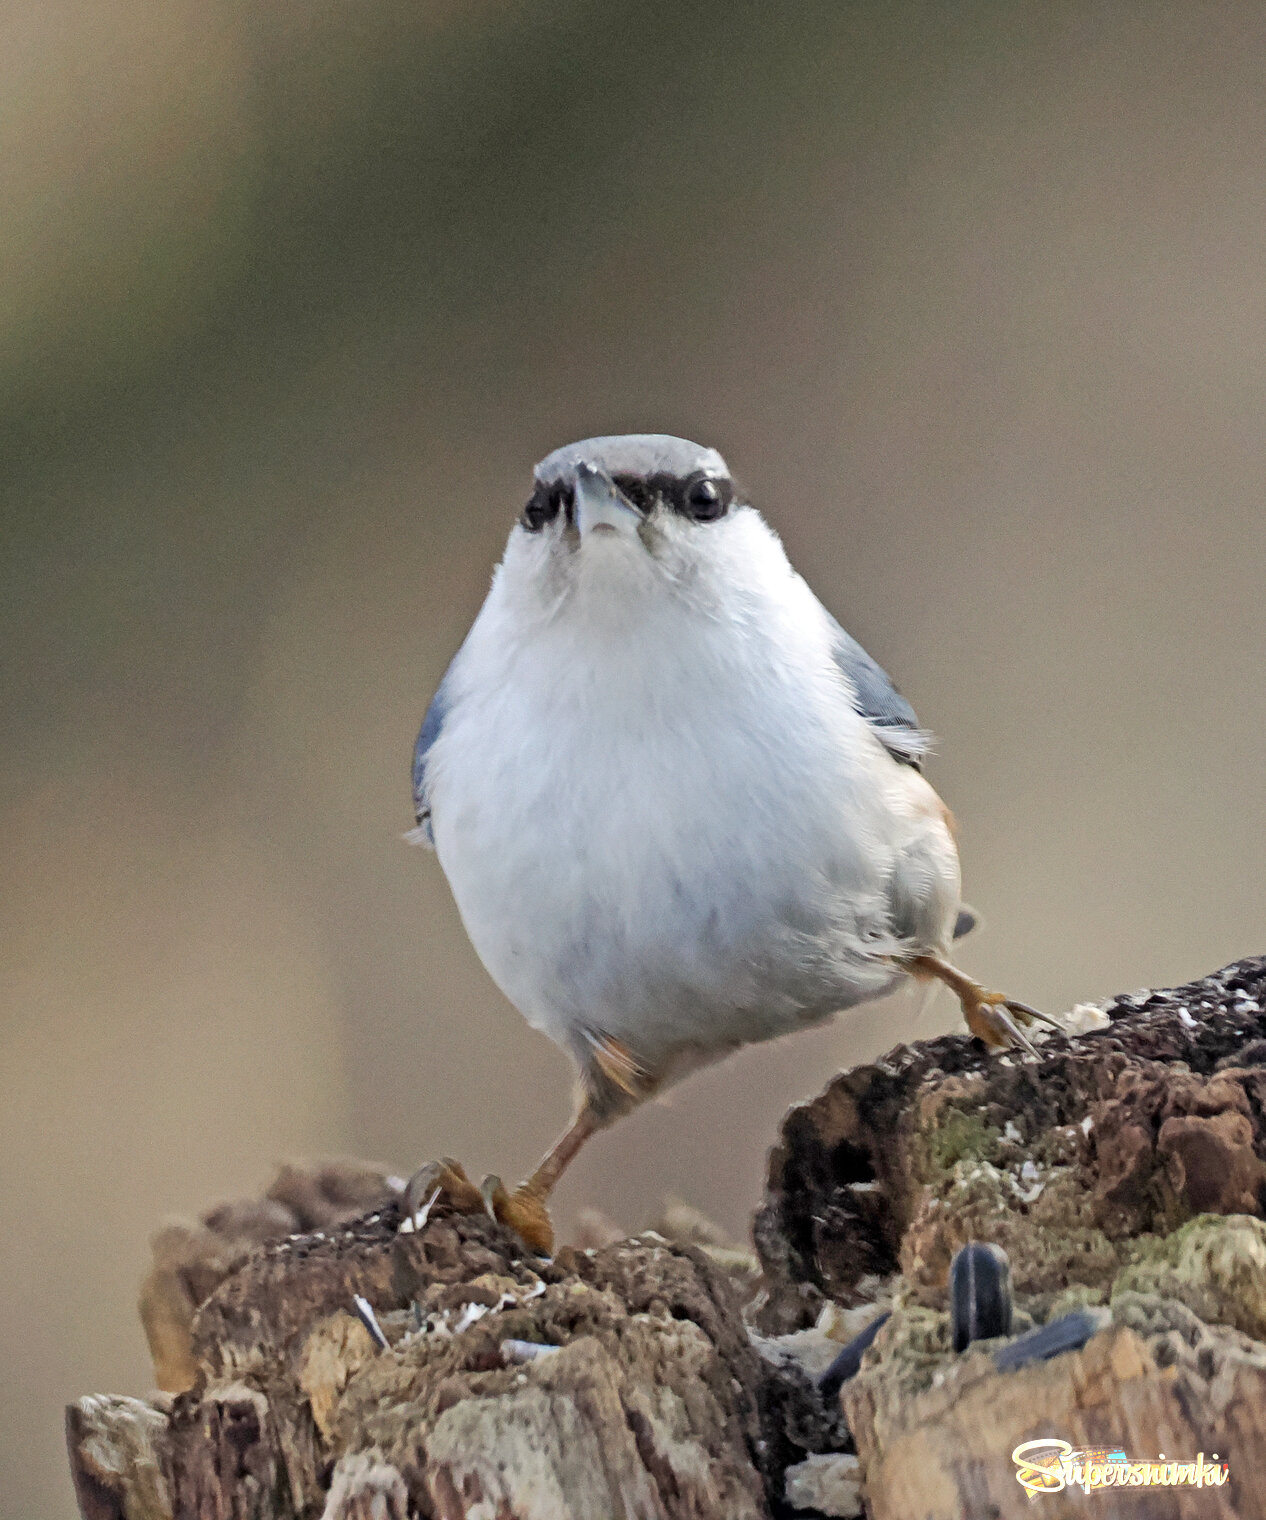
column 633, row 508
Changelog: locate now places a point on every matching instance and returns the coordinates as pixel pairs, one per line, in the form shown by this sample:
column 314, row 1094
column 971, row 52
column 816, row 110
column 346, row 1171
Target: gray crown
column 639, row 454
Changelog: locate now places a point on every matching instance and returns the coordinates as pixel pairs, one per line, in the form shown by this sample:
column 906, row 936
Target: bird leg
column 523, row 1210
column 991, row 1016
column 613, row 1081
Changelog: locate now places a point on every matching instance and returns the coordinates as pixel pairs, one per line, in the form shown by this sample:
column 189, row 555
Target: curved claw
column 998, row 1017
column 1017, row 1034
column 445, row 1182
column 522, row 1211
column 445, row 1178
column 1024, row 1010
column 491, row 1190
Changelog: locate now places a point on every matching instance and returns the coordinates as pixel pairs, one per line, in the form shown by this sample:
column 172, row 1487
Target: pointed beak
column 600, row 508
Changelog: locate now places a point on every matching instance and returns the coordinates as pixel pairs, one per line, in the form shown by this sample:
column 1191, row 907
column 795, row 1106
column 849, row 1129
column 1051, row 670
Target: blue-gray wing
column 432, row 723
column 879, row 701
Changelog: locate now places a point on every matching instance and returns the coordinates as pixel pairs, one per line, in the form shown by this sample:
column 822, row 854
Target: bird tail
column 967, row 920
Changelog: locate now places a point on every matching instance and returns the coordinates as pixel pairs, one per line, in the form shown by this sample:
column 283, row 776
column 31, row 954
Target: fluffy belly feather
column 711, row 910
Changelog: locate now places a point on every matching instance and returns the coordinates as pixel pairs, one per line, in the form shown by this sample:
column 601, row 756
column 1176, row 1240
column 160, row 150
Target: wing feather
column 879, row 701
column 432, row 724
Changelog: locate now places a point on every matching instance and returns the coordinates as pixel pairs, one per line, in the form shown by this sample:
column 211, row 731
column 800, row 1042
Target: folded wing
column 879, row 701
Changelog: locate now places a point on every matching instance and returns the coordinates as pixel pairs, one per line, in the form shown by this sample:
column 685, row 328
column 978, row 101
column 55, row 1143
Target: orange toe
column 522, row 1211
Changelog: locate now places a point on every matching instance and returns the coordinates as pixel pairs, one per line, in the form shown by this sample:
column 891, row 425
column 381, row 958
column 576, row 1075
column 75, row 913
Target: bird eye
column 542, row 508
column 707, row 498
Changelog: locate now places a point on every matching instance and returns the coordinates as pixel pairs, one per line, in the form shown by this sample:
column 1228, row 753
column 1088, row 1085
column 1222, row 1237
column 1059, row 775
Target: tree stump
column 1123, row 1172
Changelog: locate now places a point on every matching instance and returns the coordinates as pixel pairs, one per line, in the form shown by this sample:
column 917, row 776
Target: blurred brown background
column 291, row 297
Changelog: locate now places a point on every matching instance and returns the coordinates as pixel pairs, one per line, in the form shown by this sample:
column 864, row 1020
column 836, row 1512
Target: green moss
column 912, row 1346
column 960, row 1136
column 1215, row 1264
column 1076, row 1296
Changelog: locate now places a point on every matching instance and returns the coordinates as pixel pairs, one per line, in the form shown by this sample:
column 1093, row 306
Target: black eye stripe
column 678, row 495
column 544, row 506
column 700, row 497
column 641, row 490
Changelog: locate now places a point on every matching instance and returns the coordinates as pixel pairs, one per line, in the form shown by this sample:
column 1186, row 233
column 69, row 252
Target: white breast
column 662, row 820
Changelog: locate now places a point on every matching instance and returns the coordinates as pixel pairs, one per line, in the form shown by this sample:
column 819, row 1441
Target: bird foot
column 991, row 1016
column 445, row 1182
column 999, row 1020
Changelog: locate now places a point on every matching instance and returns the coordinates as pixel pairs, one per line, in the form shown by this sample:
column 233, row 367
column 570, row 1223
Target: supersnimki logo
column 1047, row 1466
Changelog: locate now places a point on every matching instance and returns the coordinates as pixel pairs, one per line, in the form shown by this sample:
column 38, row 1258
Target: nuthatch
column 679, row 808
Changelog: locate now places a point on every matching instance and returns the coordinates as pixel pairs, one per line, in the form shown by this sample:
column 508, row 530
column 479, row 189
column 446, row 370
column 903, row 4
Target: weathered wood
column 191, row 1259
column 1124, row 1170
column 941, row 1451
column 116, row 1464
column 611, row 1382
